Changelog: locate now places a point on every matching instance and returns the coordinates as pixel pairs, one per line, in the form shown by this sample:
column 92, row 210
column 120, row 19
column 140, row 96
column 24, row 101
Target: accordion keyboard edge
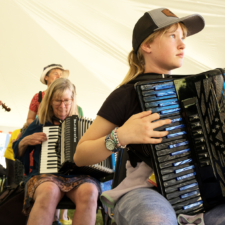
column 57, row 152
column 190, row 160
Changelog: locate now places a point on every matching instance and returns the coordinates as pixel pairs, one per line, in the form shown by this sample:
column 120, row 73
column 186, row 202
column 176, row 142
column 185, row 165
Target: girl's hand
column 139, row 129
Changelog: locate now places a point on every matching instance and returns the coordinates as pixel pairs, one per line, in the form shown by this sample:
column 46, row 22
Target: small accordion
column 57, row 152
column 189, row 163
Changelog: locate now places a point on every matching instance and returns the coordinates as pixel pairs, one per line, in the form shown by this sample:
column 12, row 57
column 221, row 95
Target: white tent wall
column 92, row 39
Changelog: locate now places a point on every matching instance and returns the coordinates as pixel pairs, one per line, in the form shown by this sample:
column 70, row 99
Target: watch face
column 109, row 144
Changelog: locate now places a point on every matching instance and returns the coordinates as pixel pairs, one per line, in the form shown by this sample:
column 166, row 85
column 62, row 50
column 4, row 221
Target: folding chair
column 119, row 175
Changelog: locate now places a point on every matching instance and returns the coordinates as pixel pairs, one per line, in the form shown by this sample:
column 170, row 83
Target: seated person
column 9, row 157
column 44, row 191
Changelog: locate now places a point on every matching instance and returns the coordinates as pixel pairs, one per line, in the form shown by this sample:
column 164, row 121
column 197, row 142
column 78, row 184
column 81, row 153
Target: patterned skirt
column 65, row 185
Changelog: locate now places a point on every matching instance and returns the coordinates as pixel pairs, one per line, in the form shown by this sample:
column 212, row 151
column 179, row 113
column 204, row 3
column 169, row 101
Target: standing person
column 43, row 192
column 49, row 74
column 158, row 48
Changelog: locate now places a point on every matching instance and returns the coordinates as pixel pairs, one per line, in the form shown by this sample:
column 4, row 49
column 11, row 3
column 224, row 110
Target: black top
column 122, row 103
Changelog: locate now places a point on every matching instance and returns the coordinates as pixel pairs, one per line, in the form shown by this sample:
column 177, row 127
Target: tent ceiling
column 92, row 39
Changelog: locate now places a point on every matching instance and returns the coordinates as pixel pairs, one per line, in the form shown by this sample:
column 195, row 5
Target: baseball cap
column 157, row 19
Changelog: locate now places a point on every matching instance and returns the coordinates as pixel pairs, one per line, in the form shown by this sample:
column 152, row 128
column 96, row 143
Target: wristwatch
column 109, row 143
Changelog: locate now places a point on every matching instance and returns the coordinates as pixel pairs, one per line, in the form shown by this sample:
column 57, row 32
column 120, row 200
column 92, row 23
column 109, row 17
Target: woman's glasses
column 59, row 102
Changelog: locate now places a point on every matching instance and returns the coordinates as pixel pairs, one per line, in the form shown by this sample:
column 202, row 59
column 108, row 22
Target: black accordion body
column 57, row 152
column 189, row 163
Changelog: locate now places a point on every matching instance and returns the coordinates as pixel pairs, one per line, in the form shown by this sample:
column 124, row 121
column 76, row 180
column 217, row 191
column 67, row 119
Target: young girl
column 158, row 47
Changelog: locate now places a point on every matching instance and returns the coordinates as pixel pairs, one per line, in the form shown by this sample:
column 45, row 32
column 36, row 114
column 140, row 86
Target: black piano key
column 164, row 110
column 172, row 144
column 183, row 195
column 175, row 181
column 180, row 175
column 159, row 94
column 175, row 162
column 181, row 201
column 171, row 151
column 182, row 162
column 157, row 86
column 153, row 97
column 168, row 157
column 182, row 186
column 172, row 169
column 187, row 202
column 161, row 103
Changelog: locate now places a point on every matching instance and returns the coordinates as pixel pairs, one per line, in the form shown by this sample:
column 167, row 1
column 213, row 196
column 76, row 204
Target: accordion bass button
column 193, row 117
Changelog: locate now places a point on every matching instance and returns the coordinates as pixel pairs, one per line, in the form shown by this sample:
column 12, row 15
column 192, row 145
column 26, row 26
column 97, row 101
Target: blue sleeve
column 25, row 158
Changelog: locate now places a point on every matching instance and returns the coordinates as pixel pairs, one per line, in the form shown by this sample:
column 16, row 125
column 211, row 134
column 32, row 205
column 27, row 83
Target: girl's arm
column 138, row 129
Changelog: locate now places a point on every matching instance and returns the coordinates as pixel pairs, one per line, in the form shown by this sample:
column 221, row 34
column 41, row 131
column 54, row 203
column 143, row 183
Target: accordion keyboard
column 189, row 163
column 49, row 159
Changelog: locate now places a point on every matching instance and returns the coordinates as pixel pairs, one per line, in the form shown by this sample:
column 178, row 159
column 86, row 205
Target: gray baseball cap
column 162, row 17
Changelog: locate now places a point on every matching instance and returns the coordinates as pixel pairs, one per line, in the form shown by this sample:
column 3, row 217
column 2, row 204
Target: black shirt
column 122, row 103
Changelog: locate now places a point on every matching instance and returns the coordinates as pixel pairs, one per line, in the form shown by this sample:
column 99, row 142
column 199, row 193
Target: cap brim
column 194, row 23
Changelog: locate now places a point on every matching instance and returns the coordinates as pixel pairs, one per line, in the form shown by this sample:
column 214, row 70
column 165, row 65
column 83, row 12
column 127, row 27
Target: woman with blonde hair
column 44, row 191
column 49, row 74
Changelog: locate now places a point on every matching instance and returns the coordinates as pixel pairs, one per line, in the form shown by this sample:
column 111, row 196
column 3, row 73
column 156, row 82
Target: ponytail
column 136, row 66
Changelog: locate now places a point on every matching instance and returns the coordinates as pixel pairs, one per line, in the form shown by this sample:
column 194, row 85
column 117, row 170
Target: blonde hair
column 137, row 62
column 57, row 87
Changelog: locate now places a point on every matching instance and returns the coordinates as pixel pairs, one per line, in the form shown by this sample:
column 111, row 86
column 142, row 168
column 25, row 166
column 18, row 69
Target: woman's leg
column 85, row 198
column 46, row 197
column 144, row 206
column 215, row 216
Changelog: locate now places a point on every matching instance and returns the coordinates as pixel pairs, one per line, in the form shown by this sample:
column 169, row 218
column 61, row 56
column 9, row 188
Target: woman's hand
column 139, row 129
column 36, row 138
column 33, row 139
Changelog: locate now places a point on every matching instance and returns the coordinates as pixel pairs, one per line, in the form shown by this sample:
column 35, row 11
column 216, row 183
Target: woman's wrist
column 25, row 142
column 22, row 146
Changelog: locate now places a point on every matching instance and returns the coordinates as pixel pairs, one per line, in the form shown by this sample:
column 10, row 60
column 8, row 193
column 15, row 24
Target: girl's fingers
column 160, row 123
column 159, row 134
column 141, row 115
column 155, row 140
column 154, row 116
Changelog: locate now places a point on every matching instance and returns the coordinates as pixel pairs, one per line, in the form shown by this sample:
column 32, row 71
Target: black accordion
column 189, row 163
column 57, row 152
